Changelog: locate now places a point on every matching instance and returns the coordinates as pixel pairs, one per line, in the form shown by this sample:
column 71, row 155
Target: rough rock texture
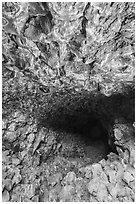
column 68, row 131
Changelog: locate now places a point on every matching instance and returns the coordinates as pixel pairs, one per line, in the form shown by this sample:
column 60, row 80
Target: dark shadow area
column 88, row 126
column 84, row 114
column 87, row 115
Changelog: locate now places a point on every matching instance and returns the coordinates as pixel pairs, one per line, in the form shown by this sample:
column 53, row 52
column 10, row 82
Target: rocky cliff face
column 86, row 46
column 67, row 69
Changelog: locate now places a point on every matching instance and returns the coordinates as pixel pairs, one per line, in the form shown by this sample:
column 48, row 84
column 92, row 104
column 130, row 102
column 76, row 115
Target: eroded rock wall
column 64, row 64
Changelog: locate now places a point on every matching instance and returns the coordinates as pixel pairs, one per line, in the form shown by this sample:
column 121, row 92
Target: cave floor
column 67, row 169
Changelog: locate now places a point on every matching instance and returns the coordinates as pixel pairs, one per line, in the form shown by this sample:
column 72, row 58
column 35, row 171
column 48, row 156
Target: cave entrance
column 82, row 131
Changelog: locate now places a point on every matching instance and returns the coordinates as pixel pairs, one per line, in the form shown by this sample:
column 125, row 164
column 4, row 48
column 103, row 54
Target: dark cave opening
column 86, row 116
column 90, row 130
column 84, row 126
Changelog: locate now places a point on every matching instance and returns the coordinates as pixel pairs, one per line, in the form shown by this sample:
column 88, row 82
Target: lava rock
column 98, row 190
column 127, row 177
column 5, row 196
column 54, row 193
column 43, row 194
column 70, row 178
column 96, row 170
column 67, row 193
column 29, row 190
column 7, row 184
column 54, row 179
column 35, row 198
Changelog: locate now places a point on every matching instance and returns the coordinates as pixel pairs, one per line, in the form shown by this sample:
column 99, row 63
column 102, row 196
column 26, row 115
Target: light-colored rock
column 70, row 178
column 6, row 158
column 15, row 197
column 17, row 177
column 35, row 198
column 44, row 194
column 24, row 199
column 54, row 179
column 118, row 134
column 103, row 177
column 5, row 196
column 132, row 185
column 113, row 190
column 67, row 193
column 31, row 137
column 119, row 170
column 29, row 190
column 98, row 190
column 126, row 191
column 96, row 170
column 88, row 171
column 127, row 177
column 130, row 169
column 132, row 157
column 93, row 199
column 103, row 163
column 15, row 161
column 112, row 176
column 81, row 190
column 8, row 184
column 23, row 153
column 54, row 193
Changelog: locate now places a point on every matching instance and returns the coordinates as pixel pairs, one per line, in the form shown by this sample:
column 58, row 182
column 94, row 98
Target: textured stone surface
column 63, row 65
column 5, row 196
column 54, row 179
column 70, row 178
column 97, row 46
column 67, row 193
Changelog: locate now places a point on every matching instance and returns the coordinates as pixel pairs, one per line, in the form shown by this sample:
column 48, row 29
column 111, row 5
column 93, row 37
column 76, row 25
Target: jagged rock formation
column 67, row 69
